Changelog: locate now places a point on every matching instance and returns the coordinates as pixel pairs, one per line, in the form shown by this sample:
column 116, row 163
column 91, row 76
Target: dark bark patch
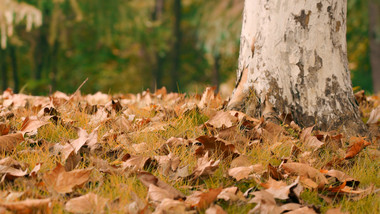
column 303, row 19
column 318, row 63
column 337, row 26
column 319, row 6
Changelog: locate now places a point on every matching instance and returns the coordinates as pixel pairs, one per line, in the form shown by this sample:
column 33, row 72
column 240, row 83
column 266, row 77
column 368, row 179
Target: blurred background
column 130, row 45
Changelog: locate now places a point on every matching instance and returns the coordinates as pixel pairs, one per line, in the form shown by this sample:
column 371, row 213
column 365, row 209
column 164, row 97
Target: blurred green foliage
column 124, row 46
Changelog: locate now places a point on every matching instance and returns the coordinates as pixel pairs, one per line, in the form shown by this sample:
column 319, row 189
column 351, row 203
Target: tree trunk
column 215, row 79
column 374, row 40
column 177, row 44
column 3, row 67
column 12, row 53
column 157, row 71
column 293, row 61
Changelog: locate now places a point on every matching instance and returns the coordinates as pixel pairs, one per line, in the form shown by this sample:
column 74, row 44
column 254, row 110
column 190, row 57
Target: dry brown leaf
column 4, row 129
column 303, row 210
column 148, row 179
column 243, row 172
column 342, row 177
column 35, row 170
column 11, row 173
column 357, row 145
column 202, row 200
column 29, row 206
column 9, row 142
column 215, row 209
column 89, row 203
column 265, row 203
column 158, row 194
column 231, row 194
column 222, row 120
column 64, row 182
column 31, row 125
column 135, row 162
column 274, row 172
column 170, row 206
column 242, row 160
column 279, row 189
column 209, row 99
column 310, row 141
column 141, row 147
column 75, row 145
column 336, row 211
column 305, row 170
column 374, row 116
column 204, row 167
column 168, row 163
column 215, row 145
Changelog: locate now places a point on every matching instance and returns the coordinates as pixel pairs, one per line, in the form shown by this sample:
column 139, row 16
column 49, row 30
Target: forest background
column 130, row 45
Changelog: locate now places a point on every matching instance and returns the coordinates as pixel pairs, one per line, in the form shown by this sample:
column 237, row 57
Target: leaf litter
column 172, row 153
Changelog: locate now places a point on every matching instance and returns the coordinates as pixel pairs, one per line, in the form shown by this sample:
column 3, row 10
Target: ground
column 161, row 152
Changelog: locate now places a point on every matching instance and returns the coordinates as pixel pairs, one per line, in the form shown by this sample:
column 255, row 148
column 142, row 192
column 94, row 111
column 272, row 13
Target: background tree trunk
column 13, row 56
column 374, row 40
column 215, row 79
column 177, row 44
column 293, row 60
column 3, row 67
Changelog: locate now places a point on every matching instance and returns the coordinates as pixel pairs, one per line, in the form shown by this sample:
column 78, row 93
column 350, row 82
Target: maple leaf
column 9, row 142
column 202, row 200
column 357, row 145
column 29, row 206
column 64, row 182
column 204, row 167
column 89, row 203
column 309, row 140
column 31, row 125
column 305, row 170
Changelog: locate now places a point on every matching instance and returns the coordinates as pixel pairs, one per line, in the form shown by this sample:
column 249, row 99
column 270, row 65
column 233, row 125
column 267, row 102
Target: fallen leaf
column 215, row 209
column 357, row 145
column 374, row 116
column 305, row 170
column 75, row 145
column 335, row 211
column 202, row 200
column 89, row 203
column 310, row 141
column 31, row 125
column 9, row 142
column 148, row 179
column 243, row 172
column 4, row 129
column 215, row 145
column 64, row 182
column 35, row 170
column 10, row 173
column 209, row 99
column 170, row 206
column 242, row 160
column 278, row 189
column 158, row 194
column 342, row 177
column 231, row 194
column 303, row 210
column 265, row 203
column 222, row 120
column 204, row 167
column 29, row 206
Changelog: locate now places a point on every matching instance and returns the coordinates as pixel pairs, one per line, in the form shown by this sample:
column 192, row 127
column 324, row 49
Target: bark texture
column 293, row 60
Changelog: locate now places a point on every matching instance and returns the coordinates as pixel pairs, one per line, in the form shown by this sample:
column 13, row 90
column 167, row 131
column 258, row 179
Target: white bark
column 293, row 54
